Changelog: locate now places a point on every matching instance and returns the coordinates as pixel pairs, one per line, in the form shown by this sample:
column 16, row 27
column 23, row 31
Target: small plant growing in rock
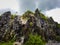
column 35, row 40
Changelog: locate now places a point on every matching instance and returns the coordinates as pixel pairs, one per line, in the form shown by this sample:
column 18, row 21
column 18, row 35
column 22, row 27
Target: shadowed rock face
column 4, row 24
column 38, row 23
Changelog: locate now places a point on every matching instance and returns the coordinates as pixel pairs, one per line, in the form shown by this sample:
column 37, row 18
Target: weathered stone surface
column 10, row 28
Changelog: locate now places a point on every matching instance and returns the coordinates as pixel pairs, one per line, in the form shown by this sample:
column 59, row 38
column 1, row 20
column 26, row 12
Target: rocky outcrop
column 35, row 23
column 4, row 24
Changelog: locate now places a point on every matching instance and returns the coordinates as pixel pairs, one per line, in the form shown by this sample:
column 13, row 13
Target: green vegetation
column 35, row 40
column 26, row 14
column 6, row 43
column 13, row 16
column 0, row 17
column 58, row 25
column 57, row 38
column 31, row 23
column 43, row 16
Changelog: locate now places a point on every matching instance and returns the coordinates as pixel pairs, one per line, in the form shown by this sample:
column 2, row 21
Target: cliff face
column 13, row 26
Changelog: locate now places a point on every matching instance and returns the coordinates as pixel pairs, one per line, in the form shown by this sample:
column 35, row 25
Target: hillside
column 13, row 27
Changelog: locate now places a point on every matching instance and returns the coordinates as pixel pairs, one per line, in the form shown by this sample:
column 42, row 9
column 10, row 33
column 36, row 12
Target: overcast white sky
column 55, row 13
column 12, row 4
column 48, row 6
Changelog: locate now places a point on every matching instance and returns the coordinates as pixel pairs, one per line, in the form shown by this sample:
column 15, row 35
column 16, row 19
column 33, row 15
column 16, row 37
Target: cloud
column 48, row 4
column 43, row 4
column 55, row 13
column 12, row 4
column 27, row 5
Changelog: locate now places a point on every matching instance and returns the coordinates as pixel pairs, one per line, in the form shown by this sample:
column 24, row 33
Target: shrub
column 31, row 23
column 34, row 40
column 13, row 16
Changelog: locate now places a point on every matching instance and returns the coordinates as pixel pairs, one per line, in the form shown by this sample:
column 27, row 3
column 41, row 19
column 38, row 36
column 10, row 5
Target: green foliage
column 8, row 43
column 57, row 38
column 58, row 25
column 43, row 17
column 35, row 40
column 13, row 16
column 0, row 17
column 40, row 14
column 26, row 14
column 31, row 23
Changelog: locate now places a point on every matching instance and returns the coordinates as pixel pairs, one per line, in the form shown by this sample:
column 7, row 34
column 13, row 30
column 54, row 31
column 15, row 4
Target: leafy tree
column 35, row 40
